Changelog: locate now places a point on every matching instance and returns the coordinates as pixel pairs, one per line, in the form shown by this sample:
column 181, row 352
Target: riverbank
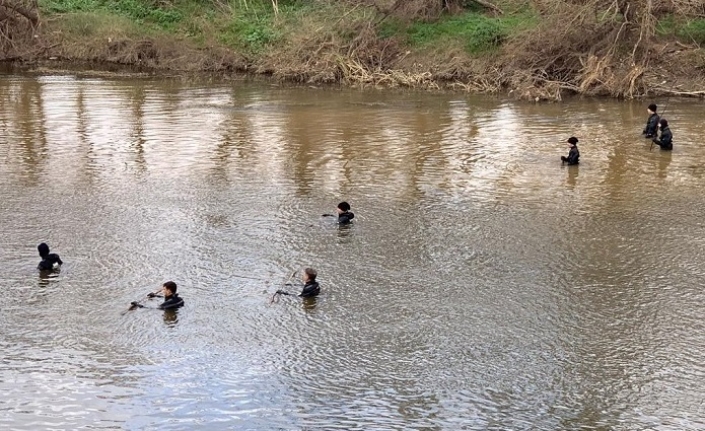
column 542, row 50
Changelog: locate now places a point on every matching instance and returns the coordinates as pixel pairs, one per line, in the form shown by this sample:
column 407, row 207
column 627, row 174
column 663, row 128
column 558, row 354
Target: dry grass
column 593, row 47
column 99, row 37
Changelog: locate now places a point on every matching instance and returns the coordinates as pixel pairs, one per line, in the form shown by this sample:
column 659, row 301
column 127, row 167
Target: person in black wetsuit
column 50, row 261
column 311, row 287
column 171, row 298
column 345, row 216
column 573, row 157
column 665, row 141
column 651, row 123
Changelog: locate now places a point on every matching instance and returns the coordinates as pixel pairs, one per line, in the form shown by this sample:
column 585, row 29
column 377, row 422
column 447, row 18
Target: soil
column 527, row 68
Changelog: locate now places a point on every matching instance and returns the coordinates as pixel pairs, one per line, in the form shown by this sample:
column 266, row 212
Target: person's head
column 652, row 109
column 43, row 249
column 343, row 207
column 169, row 288
column 663, row 123
column 572, row 141
column 310, row 275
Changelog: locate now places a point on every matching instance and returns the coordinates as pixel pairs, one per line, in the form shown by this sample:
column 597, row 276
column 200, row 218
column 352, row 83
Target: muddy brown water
column 483, row 286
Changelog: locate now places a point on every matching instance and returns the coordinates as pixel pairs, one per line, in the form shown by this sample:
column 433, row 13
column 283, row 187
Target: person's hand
column 151, row 295
column 655, row 141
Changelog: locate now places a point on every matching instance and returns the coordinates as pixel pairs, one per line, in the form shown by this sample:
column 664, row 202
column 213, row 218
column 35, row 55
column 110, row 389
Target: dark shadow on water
column 573, row 172
column 49, row 276
column 171, row 317
column 663, row 162
column 344, row 230
column 309, row 304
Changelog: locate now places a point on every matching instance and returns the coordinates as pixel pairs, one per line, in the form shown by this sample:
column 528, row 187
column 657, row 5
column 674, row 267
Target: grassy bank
column 541, row 49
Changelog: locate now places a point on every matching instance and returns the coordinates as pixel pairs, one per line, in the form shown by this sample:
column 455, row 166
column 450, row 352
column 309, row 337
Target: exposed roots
column 19, row 21
column 588, row 47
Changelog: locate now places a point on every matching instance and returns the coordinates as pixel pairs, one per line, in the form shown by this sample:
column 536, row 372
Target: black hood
column 43, row 250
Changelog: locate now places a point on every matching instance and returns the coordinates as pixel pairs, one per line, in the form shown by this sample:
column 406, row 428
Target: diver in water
column 345, row 216
column 171, row 298
column 311, row 287
column 651, row 123
column 573, row 157
column 50, row 261
column 665, row 141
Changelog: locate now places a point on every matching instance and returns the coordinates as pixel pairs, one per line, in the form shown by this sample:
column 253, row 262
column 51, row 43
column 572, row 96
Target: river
column 483, row 286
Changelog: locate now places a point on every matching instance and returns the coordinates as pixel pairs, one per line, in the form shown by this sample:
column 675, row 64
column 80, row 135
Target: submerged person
column 652, row 122
column 311, row 287
column 573, row 157
column 50, row 261
column 171, row 298
column 665, row 141
column 345, row 216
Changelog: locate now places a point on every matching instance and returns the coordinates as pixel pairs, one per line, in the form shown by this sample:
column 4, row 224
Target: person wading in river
column 50, row 261
column 651, row 123
column 345, row 216
column 665, row 141
column 311, row 287
column 573, row 157
column 171, row 298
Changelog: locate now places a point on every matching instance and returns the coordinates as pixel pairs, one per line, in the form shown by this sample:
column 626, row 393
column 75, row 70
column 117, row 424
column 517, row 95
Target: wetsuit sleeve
column 652, row 125
column 665, row 141
column 310, row 290
column 345, row 218
column 171, row 304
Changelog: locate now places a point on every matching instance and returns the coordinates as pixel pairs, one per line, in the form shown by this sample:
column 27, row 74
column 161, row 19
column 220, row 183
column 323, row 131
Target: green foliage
column 693, row 31
column 666, row 26
column 140, row 10
column 477, row 32
column 688, row 31
column 67, row 6
column 252, row 30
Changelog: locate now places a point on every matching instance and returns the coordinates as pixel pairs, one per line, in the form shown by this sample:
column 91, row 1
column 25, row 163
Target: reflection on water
column 482, row 286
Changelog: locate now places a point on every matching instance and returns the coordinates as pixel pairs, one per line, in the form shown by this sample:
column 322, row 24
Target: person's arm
column 52, row 259
column 667, row 138
column 170, row 304
column 345, row 218
column 310, row 290
column 653, row 125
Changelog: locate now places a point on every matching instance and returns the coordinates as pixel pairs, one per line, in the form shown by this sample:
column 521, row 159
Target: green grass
column 476, row 32
column 688, row 31
column 250, row 25
column 249, row 31
column 693, row 31
column 138, row 10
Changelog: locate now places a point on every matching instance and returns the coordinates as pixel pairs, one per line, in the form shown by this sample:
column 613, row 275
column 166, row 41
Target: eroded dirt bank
column 538, row 50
